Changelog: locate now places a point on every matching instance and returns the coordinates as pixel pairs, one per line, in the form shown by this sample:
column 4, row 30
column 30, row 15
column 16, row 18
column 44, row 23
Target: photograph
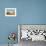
column 10, row 11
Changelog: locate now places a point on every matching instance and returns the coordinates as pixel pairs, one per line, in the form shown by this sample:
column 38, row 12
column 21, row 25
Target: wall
column 28, row 12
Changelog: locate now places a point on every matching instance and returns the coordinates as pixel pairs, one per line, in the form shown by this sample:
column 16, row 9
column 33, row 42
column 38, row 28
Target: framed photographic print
column 10, row 11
